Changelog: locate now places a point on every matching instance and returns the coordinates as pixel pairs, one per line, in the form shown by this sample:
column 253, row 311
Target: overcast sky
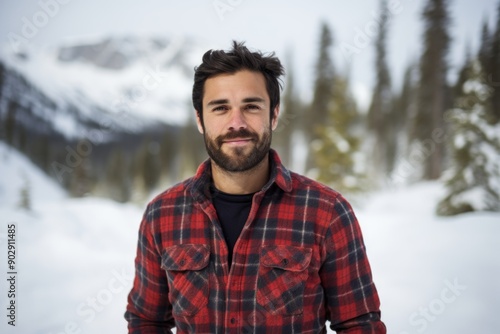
column 265, row 25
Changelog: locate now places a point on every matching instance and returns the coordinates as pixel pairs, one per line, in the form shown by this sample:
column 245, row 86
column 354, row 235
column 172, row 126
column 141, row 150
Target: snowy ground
column 75, row 259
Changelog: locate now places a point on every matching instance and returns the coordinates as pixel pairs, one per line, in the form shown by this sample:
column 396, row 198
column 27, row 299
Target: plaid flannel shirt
column 300, row 260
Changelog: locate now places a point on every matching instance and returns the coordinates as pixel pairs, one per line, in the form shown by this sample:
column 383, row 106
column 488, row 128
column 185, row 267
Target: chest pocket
column 282, row 275
column 187, row 272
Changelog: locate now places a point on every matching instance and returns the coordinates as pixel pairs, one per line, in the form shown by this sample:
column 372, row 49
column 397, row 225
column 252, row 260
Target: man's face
column 236, row 121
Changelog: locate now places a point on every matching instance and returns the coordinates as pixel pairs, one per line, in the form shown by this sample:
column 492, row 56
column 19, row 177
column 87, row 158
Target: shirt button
column 285, row 262
column 233, row 321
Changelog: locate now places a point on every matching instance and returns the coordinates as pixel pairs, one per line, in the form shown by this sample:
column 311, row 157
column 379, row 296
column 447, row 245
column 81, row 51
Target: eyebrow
column 253, row 99
column 217, row 102
column 245, row 100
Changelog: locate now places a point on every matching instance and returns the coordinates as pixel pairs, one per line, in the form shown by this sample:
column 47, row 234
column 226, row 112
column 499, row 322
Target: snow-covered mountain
column 86, row 110
column 120, row 84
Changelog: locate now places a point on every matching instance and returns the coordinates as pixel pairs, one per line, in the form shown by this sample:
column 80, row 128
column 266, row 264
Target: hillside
column 121, row 103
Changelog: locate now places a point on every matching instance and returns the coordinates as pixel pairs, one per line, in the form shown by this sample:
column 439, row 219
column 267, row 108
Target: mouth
column 237, row 141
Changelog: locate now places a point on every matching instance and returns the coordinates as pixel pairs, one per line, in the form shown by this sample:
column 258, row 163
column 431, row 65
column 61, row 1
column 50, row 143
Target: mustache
column 242, row 133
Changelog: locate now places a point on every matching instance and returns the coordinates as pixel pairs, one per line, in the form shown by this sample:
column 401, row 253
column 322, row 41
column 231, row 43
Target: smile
column 237, row 141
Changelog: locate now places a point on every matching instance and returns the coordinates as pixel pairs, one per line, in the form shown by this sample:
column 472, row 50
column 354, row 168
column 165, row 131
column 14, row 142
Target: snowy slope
column 75, row 256
column 75, row 262
column 17, row 172
column 128, row 77
column 416, row 258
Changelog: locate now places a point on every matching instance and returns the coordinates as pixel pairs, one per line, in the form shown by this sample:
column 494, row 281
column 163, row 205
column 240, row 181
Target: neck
column 239, row 183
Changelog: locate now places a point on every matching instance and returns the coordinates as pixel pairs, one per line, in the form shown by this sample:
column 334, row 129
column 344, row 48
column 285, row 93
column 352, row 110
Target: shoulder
column 168, row 199
column 303, row 184
column 326, row 203
column 178, row 189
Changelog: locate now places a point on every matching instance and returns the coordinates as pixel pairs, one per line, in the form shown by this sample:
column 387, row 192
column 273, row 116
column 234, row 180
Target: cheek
column 267, row 126
column 212, row 131
column 260, row 124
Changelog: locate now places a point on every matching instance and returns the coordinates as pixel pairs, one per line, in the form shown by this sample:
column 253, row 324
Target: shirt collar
column 200, row 182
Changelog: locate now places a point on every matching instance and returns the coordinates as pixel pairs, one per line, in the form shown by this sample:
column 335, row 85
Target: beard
column 238, row 161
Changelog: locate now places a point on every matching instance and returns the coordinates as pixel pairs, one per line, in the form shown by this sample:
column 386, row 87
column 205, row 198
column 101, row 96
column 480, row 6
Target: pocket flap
column 185, row 257
column 286, row 257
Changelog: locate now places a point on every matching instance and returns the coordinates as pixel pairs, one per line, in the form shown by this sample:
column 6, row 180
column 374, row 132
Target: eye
column 220, row 108
column 252, row 107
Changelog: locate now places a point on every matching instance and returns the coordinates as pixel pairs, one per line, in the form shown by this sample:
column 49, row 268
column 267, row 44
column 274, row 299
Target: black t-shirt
column 232, row 211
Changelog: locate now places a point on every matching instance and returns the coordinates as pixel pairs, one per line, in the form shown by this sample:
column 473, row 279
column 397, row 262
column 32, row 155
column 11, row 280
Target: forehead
column 238, row 85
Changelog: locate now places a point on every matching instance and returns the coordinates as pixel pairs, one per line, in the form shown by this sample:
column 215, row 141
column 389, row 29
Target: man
column 246, row 246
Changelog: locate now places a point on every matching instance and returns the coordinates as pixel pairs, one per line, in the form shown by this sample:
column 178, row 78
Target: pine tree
column 380, row 123
column 25, row 197
column 432, row 94
column 10, row 123
column 80, row 182
column 191, row 147
column 336, row 146
column 403, row 107
column 406, row 100
column 22, row 140
column 323, row 88
column 2, row 76
column 148, row 165
column 485, row 47
column 168, row 155
column 290, row 112
column 463, row 75
column 118, row 178
column 473, row 181
column 494, row 72
column 40, row 151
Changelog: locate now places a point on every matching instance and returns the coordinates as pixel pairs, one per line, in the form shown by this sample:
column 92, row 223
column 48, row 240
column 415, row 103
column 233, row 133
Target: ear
column 199, row 123
column 274, row 120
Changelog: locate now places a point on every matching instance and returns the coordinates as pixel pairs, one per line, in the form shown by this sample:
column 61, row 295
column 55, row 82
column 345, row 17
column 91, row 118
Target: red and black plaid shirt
column 300, row 260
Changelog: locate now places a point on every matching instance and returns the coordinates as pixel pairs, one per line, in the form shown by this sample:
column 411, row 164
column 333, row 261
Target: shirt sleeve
column 148, row 309
column 352, row 302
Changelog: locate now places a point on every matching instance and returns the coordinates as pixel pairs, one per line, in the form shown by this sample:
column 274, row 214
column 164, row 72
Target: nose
column 237, row 120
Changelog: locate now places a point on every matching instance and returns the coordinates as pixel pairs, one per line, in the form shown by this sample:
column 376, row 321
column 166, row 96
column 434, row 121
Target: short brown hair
column 215, row 62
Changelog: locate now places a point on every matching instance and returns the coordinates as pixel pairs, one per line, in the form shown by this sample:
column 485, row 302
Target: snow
column 338, row 140
column 476, row 197
column 75, row 258
column 415, row 254
column 152, row 85
column 17, row 172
